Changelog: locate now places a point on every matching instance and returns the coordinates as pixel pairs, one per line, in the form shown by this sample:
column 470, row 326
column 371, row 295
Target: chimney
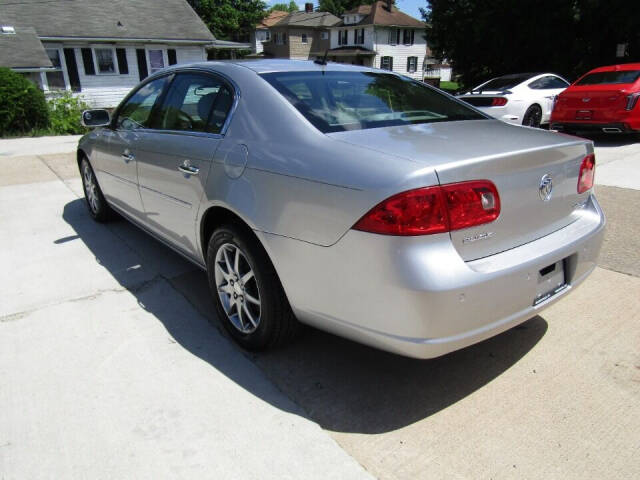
column 390, row 5
column 308, row 7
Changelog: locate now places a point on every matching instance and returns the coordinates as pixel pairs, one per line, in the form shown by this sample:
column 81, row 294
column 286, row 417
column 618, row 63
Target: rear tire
column 532, row 117
column 249, row 299
column 96, row 204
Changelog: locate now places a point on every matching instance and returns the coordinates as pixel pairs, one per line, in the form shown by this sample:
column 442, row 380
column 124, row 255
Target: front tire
column 96, row 204
column 532, row 117
column 250, row 301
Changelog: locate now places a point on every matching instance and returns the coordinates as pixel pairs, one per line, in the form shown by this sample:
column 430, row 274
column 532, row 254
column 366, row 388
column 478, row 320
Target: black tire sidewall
column 530, row 111
column 263, row 272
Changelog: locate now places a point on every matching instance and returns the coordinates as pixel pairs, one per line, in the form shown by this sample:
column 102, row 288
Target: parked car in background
column 521, row 99
column 603, row 100
column 355, row 200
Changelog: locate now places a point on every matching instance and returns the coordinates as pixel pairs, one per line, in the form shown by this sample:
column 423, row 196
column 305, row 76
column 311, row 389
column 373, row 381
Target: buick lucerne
column 355, row 200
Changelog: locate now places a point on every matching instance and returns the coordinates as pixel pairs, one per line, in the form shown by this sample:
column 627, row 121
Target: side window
column 195, row 103
column 136, row 112
column 548, row 83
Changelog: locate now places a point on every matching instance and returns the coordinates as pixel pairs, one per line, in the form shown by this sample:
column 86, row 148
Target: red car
column 603, row 100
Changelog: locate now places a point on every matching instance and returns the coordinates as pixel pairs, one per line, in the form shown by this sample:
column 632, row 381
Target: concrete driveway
column 110, row 368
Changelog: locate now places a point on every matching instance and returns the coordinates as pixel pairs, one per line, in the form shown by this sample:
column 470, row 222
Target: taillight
column 632, row 100
column 587, row 173
column 437, row 209
column 498, row 102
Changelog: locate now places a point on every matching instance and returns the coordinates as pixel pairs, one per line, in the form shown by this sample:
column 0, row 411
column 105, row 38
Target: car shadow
column 341, row 385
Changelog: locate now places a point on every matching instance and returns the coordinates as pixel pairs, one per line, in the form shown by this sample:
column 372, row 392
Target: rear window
column 338, row 101
column 600, row 78
column 503, row 83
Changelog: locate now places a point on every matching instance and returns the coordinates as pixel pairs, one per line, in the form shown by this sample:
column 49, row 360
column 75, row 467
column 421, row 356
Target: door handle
column 189, row 169
column 127, row 157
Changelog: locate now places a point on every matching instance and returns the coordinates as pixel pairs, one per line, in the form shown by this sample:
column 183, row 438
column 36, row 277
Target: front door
column 175, row 156
column 118, row 164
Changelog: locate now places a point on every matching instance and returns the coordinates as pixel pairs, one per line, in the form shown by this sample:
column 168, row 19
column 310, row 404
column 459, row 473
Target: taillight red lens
column 587, row 173
column 416, row 212
column 437, row 209
column 498, row 102
column 471, row 203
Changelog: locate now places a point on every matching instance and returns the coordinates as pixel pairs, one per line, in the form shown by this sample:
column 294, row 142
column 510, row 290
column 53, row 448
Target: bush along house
column 99, row 49
column 380, row 36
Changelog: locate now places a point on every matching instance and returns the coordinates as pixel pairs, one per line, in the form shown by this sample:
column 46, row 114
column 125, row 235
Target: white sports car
column 521, row 99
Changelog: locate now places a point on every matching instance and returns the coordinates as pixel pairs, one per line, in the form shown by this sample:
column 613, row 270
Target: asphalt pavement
column 109, row 366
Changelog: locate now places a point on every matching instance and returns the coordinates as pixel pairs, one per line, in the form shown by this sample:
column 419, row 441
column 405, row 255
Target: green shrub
column 22, row 104
column 65, row 112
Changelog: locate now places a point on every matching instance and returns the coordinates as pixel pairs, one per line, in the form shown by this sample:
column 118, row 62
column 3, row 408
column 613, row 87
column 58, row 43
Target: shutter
column 391, row 63
column 141, row 54
column 123, row 66
column 408, row 64
column 413, row 34
column 72, row 69
column 171, row 53
column 87, row 60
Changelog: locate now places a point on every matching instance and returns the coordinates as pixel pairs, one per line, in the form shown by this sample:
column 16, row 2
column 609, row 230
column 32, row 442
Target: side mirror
column 96, row 118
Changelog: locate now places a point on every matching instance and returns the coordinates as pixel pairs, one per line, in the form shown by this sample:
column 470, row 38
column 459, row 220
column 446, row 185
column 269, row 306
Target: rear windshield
column 503, row 83
column 600, row 78
column 338, row 101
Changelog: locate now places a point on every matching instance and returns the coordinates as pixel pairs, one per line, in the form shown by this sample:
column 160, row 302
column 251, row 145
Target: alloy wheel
column 90, row 187
column 237, row 288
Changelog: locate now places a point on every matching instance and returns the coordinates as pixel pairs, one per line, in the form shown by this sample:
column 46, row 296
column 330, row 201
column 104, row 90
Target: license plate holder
column 584, row 114
column 551, row 281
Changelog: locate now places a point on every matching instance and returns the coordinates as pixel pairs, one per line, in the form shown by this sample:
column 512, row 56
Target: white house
column 380, row 36
column 99, row 49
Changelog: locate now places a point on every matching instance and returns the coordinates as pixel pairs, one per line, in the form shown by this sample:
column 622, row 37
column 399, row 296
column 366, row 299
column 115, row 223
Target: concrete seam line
column 56, row 174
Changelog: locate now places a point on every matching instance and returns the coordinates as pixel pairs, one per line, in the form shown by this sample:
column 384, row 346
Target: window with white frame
column 386, row 63
column 408, row 36
column 105, row 59
column 303, row 38
column 343, row 37
column 267, row 35
column 412, row 64
column 324, row 36
column 358, row 36
column 155, row 58
column 394, row 36
column 55, row 78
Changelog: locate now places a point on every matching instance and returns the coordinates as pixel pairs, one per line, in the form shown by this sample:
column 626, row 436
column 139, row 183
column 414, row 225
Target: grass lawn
column 450, row 87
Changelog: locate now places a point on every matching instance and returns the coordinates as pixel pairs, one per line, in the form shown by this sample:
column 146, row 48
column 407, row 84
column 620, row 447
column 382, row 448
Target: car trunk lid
column 515, row 159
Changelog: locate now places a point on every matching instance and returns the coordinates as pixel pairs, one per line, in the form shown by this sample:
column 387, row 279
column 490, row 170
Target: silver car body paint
column 301, row 191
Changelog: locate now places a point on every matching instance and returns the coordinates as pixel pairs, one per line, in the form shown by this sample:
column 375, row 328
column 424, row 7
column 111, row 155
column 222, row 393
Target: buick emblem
column 546, row 187
column 586, row 99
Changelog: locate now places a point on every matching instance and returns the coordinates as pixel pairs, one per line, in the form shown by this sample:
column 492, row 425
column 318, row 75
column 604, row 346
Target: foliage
column 230, row 19
column 22, row 105
column 338, row 7
column 283, row 7
column 65, row 112
column 569, row 37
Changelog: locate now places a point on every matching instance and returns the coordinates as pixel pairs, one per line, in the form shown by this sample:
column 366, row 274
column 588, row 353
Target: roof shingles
column 23, row 50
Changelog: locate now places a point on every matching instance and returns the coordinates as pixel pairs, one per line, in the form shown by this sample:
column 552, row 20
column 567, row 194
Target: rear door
column 118, row 162
column 174, row 157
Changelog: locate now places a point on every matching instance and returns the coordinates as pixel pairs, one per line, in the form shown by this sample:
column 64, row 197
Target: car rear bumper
column 606, row 127
column 416, row 296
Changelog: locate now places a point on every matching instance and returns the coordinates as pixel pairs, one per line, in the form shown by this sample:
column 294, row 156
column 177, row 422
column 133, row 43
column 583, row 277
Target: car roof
column 612, row 68
column 282, row 65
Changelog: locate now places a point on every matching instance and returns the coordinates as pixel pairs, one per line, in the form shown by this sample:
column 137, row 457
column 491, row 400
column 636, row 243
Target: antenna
column 323, row 60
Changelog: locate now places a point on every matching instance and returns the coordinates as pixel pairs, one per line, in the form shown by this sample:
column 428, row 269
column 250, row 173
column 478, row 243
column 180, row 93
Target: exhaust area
column 611, row 130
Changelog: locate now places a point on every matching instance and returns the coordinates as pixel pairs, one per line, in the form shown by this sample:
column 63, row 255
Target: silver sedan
column 351, row 199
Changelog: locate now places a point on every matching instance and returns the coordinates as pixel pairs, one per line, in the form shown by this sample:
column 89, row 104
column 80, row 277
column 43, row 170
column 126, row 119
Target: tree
column 338, row 7
column 283, row 7
column 484, row 39
column 230, row 19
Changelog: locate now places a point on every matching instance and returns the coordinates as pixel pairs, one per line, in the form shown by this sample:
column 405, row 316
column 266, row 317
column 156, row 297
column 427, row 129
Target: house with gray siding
column 99, row 49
